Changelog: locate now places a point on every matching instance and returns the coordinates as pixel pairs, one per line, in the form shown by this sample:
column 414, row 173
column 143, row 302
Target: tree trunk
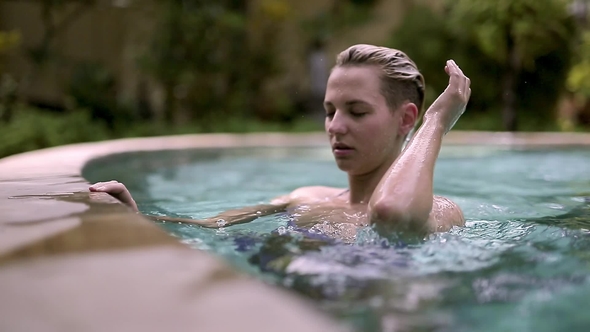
column 509, row 120
column 169, row 104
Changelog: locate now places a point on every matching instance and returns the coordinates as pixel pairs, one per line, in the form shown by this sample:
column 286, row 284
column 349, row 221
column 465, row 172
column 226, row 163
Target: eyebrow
column 349, row 103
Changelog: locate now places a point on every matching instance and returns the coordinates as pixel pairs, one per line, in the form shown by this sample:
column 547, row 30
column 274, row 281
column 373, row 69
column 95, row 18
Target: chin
column 348, row 166
column 344, row 165
column 356, row 168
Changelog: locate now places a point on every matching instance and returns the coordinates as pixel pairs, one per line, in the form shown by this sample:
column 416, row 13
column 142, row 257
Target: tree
column 54, row 24
column 579, row 80
column 56, row 17
column 8, row 40
column 211, row 57
column 515, row 33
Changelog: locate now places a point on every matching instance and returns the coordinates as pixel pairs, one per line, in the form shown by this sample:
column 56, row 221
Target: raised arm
column 404, row 197
column 227, row 218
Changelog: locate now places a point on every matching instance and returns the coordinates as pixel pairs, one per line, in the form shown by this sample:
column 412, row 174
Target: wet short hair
column 400, row 79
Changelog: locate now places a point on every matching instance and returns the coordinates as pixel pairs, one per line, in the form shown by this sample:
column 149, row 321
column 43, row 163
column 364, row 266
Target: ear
column 408, row 117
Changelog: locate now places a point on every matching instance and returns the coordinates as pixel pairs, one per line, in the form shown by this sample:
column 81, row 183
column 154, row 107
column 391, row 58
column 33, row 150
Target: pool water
column 521, row 263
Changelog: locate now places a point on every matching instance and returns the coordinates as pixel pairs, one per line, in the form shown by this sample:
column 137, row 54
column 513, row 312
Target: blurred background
column 86, row 70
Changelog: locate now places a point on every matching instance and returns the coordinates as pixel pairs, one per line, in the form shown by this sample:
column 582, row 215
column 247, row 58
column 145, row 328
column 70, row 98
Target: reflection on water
column 521, row 263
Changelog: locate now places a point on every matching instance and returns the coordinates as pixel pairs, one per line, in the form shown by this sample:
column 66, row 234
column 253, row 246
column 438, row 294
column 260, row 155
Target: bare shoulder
column 316, row 191
column 444, row 215
column 307, row 194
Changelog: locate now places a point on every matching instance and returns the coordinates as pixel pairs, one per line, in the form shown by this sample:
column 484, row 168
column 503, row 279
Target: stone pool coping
column 80, row 261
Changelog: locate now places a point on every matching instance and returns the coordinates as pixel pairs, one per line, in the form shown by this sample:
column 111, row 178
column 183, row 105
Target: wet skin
column 387, row 187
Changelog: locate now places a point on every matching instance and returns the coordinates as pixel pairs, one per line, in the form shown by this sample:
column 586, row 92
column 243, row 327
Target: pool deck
column 71, row 260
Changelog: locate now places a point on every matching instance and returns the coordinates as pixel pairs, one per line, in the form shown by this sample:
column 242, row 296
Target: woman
column 373, row 100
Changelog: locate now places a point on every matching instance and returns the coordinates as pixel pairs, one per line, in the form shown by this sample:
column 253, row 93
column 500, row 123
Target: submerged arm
column 227, row 218
column 404, row 197
column 231, row 217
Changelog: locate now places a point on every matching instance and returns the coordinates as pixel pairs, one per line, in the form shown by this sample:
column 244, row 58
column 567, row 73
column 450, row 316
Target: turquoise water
column 522, row 262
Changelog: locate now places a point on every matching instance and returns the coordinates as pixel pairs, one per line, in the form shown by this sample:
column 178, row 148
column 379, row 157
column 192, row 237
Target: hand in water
column 117, row 190
column 450, row 105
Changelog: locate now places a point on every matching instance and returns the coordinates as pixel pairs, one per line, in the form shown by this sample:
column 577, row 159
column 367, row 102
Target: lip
column 341, row 150
column 339, row 145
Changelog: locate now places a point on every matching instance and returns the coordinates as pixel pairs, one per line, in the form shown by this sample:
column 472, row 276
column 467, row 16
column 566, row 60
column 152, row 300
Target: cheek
column 379, row 136
column 389, row 131
column 382, row 128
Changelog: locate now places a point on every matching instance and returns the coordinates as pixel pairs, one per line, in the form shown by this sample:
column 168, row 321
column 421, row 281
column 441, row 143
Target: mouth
column 341, row 149
column 341, row 146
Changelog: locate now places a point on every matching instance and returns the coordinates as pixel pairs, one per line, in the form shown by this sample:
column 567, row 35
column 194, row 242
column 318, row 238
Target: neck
column 362, row 186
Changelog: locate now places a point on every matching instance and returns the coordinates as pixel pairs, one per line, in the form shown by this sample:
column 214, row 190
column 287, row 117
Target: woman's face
column 364, row 132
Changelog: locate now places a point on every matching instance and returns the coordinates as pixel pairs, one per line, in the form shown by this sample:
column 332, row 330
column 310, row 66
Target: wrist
column 435, row 125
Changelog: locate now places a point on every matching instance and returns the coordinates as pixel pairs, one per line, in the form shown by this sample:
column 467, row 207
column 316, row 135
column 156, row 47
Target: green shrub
column 233, row 124
column 430, row 38
column 93, row 87
column 32, row 129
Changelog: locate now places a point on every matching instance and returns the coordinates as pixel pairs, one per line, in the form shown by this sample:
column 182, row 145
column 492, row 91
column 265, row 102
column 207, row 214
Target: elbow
column 399, row 214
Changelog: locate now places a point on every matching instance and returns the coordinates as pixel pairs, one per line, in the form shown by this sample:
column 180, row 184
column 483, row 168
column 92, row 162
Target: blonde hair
column 401, row 80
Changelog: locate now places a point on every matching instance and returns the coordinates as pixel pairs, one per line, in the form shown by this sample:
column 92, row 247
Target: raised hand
column 117, row 190
column 450, row 105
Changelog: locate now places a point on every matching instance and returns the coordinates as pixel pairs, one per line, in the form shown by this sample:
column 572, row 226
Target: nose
column 337, row 124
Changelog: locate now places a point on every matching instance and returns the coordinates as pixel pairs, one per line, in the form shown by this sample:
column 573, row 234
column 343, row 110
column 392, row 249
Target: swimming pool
column 521, row 263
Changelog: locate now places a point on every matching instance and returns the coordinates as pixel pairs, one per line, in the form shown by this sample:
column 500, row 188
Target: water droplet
column 258, row 212
column 221, row 222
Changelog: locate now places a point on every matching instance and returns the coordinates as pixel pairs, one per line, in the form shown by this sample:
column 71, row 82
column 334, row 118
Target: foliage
column 54, row 24
column 32, row 129
column 579, row 76
column 518, row 35
column 213, row 59
column 342, row 14
column 538, row 83
column 93, row 87
column 8, row 86
column 229, row 125
column 536, row 26
column 437, row 44
column 8, row 41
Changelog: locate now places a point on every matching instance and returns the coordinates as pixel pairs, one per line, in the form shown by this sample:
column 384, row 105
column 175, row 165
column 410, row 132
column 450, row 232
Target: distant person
column 374, row 97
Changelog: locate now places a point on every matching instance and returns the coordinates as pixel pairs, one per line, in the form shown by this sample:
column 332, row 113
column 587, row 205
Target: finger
column 467, row 88
column 457, row 68
column 96, row 185
column 102, row 183
column 108, row 187
column 99, row 188
column 454, row 76
column 463, row 82
column 465, row 85
column 115, row 188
